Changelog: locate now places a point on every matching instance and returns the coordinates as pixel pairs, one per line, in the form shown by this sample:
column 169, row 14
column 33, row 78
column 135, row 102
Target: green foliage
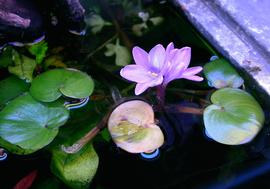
column 220, row 74
column 39, row 51
column 10, row 88
column 24, row 66
column 6, row 57
column 29, row 124
column 105, row 134
column 75, row 170
column 81, row 121
column 15, row 149
column 122, row 54
column 52, row 84
column 235, row 117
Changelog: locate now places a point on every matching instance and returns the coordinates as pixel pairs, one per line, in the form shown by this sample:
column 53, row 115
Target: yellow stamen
column 153, row 74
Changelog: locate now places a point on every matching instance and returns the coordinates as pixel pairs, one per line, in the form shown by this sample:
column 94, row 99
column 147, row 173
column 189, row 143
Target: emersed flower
column 159, row 67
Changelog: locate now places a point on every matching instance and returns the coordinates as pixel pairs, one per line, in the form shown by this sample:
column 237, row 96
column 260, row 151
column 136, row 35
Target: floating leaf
column 50, row 85
column 75, row 170
column 39, row 50
column 235, row 117
column 29, row 124
column 6, row 57
column 220, row 74
column 96, row 23
column 10, row 88
column 132, row 127
column 14, row 149
column 24, row 67
column 122, row 55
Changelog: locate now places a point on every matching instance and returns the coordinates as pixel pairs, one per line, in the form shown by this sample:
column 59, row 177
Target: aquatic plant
column 64, row 99
column 159, row 67
column 132, row 127
column 234, row 118
column 220, row 74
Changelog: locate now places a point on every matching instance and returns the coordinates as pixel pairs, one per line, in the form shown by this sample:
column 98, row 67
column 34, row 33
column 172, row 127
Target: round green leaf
column 235, row 117
column 75, row 170
column 29, row 124
column 221, row 74
column 50, row 85
column 14, row 149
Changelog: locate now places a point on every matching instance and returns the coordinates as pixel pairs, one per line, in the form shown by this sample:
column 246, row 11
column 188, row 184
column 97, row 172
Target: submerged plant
column 122, row 54
column 96, row 23
column 159, row 67
column 141, row 28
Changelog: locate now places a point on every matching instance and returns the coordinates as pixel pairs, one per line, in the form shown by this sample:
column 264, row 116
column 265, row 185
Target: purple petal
column 167, row 64
column 193, row 78
column 181, row 59
column 192, row 71
column 168, row 75
column 136, row 73
column 155, row 82
column 178, row 64
column 140, row 57
column 157, row 57
column 170, row 47
column 141, row 87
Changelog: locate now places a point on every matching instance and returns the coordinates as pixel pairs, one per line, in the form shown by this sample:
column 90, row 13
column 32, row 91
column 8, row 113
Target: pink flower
column 159, row 67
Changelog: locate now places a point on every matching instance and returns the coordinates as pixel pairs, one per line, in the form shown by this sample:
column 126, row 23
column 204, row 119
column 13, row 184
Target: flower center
column 153, row 74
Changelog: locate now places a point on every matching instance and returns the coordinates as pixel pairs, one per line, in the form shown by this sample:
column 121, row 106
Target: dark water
column 189, row 159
